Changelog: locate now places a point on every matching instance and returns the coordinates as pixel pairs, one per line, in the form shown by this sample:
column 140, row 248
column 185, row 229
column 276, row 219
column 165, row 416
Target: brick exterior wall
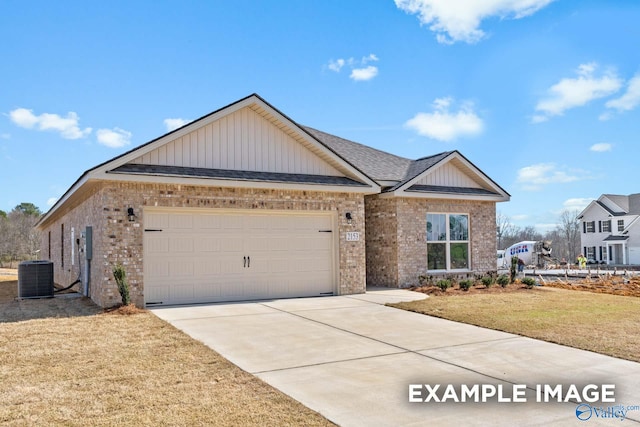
column 381, row 238
column 116, row 240
column 409, row 248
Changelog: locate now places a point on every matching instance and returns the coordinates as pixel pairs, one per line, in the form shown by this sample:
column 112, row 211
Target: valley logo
column 585, row 412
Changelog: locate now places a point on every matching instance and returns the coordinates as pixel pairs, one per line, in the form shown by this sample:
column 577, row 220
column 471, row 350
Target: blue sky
column 541, row 95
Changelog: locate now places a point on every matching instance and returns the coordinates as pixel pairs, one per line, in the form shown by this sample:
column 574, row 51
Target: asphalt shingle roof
column 179, row 171
column 377, row 164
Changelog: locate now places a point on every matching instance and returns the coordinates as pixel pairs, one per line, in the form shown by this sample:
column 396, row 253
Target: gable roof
column 400, row 176
column 616, row 204
column 338, row 164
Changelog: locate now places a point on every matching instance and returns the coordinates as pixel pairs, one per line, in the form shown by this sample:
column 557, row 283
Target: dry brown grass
column 602, row 323
column 81, row 368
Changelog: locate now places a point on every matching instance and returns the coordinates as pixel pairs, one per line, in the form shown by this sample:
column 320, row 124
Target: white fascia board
column 237, row 183
column 446, row 196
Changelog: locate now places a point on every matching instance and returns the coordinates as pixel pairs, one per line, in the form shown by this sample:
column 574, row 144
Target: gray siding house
column 245, row 203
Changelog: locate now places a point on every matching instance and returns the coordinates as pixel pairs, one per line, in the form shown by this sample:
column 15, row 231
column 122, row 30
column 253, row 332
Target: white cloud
column 5, row 136
column 459, row 20
column 443, row 125
column 336, row 65
column 630, row 99
column 173, row 124
column 114, row 138
column 366, row 73
column 66, row 126
column 576, row 92
column 360, row 71
column 520, row 217
column 578, row 203
column 370, row 58
column 600, row 147
column 532, row 178
column 51, row 201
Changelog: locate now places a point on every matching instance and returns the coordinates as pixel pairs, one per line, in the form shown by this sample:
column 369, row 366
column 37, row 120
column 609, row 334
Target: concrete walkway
column 352, row 359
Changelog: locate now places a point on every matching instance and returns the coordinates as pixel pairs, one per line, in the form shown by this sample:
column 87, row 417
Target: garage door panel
column 231, row 222
column 156, row 220
column 181, row 268
column 208, row 222
column 180, row 221
column 231, row 244
column 207, row 244
column 257, row 244
column 181, row 244
column 205, row 267
column 278, row 243
column 157, row 244
column 199, row 256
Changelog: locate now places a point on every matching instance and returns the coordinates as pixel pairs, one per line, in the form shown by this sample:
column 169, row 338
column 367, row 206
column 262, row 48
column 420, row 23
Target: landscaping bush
column 123, row 286
column 530, row 282
column 443, row 284
column 465, row 285
column 487, row 281
column 503, row 280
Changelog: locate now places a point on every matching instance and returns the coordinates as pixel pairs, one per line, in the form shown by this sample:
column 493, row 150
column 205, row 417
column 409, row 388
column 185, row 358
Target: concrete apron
column 352, row 359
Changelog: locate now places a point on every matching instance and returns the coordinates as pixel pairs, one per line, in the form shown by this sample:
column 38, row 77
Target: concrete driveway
column 352, row 359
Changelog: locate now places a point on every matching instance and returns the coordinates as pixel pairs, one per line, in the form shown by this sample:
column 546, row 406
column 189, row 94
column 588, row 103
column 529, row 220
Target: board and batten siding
column 242, row 140
column 450, row 176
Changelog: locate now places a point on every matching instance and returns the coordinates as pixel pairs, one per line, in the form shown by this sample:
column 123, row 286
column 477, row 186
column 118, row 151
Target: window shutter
column 584, row 226
column 600, row 257
column 599, row 226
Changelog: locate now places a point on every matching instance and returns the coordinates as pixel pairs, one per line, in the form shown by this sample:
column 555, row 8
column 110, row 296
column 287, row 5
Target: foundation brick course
column 116, row 240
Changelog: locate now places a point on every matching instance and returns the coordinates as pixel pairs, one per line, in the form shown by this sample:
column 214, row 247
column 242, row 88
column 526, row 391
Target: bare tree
column 569, row 230
column 19, row 239
column 504, row 228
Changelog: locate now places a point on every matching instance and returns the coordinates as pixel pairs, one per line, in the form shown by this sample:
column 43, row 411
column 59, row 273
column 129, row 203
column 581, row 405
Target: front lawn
column 110, row 369
column 603, row 323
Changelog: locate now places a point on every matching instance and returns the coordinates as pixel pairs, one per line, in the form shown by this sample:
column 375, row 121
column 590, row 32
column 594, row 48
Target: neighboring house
column 244, row 203
column 610, row 231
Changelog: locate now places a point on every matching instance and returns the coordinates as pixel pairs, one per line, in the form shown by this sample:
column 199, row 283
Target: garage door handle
column 249, row 262
column 245, row 263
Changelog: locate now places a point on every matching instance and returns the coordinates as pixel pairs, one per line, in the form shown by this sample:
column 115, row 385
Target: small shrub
column 513, row 269
column 529, row 282
column 487, row 281
column 123, row 286
column 465, row 285
column 443, row 284
column 503, row 280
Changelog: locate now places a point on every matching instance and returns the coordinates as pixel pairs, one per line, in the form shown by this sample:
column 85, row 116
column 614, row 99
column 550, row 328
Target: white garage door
column 195, row 255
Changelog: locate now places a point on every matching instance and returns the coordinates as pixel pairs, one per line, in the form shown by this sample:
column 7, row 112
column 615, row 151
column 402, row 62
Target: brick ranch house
column 244, row 203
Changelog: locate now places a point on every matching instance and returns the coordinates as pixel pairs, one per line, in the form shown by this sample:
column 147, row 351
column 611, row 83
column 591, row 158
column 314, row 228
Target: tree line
column 565, row 237
column 19, row 240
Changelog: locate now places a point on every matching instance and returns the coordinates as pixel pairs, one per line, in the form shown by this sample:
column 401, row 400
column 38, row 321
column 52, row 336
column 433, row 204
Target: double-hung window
column 447, row 241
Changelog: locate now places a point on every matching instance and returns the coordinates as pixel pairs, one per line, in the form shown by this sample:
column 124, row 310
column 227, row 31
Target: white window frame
column 621, row 225
column 447, row 242
column 591, row 253
column 590, row 227
column 606, row 226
